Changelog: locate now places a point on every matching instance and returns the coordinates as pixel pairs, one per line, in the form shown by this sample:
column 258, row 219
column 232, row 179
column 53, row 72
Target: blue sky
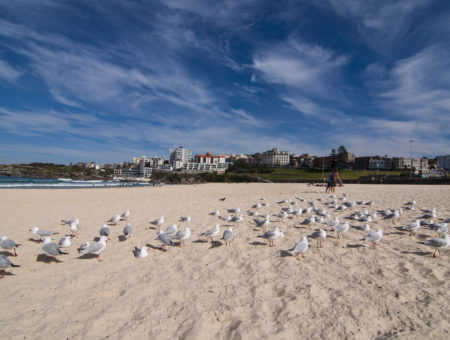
column 107, row 80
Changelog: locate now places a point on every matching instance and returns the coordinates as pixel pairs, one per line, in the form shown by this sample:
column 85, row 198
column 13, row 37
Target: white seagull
column 51, row 249
column 375, row 237
column 140, row 252
column 228, row 236
column 127, row 230
column 342, row 228
column 412, row 227
column 172, row 229
column 164, row 239
column 7, row 244
column 301, row 247
column 439, row 243
column 40, row 233
column 114, row 219
column 95, row 248
column 125, row 214
column 5, row 263
column 212, row 232
column 271, row 235
column 65, row 242
column 158, row 222
column 182, row 235
column 321, row 235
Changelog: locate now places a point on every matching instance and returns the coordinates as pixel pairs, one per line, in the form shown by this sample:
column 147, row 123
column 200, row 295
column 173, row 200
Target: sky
column 104, row 81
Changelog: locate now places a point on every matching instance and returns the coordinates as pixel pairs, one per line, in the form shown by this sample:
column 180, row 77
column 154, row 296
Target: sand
column 345, row 290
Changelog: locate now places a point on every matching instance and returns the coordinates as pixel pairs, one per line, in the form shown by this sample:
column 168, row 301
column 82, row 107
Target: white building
column 180, row 153
column 443, row 162
column 140, row 171
column 275, row 157
column 138, row 160
column 205, row 167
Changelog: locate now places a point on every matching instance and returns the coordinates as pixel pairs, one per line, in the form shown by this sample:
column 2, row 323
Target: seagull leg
column 3, row 274
column 439, row 251
column 15, row 254
column 98, row 258
column 434, row 254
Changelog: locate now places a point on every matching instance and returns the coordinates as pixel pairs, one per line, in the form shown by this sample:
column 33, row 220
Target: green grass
column 318, row 175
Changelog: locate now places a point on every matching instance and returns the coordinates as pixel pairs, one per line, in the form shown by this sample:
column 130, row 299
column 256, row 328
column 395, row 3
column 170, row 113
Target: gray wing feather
column 52, row 249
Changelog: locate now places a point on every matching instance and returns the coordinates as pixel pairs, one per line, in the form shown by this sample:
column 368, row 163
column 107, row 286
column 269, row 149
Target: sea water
column 7, row 182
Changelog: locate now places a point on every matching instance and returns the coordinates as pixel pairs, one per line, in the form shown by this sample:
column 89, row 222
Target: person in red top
column 333, row 179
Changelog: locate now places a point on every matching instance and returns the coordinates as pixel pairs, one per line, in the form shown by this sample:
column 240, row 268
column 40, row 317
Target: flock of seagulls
column 318, row 212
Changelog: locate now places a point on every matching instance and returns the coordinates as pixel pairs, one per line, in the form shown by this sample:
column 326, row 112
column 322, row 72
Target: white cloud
column 8, row 72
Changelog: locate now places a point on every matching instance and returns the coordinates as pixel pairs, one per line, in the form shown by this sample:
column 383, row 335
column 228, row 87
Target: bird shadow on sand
column 122, row 238
column 154, row 247
column 422, row 236
column 7, row 253
column 34, row 240
column 215, row 244
column 87, row 256
column 200, row 241
column 153, row 228
column 355, row 245
column 285, row 253
column 419, row 253
column 44, row 258
column 396, row 233
column 9, row 274
column 257, row 243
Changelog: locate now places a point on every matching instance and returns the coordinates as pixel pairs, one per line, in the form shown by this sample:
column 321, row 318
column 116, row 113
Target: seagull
column 439, row 243
column 264, row 223
column 253, row 213
column 165, row 239
column 51, row 249
column 65, row 242
column 84, row 246
column 114, row 219
column 271, row 235
column 237, row 219
column 40, row 233
column 333, row 223
column 5, row 263
column 412, row 227
column 140, row 252
column 74, row 228
column 228, row 236
column 215, row 213
column 301, row 247
column 394, row 215
column 212, row 232
column 182, row 235
column 234, row 210
column 127, row 230
column 7, row 244
column 282, row 215
column 342, row 228
column 104, row 231
column 321, row 235
column 95, row 248
column 309, row 221
column 365, row 227
column 125, row 215
column 413, row 202
column 171, row 229
column 223, row 198
column 256, row 205
column 73, row 220
column 186, row 219
column 375, row 237
column 227, row 218
column 297, row 212
column 442, row 228
column 430, row 214
column 158, row 222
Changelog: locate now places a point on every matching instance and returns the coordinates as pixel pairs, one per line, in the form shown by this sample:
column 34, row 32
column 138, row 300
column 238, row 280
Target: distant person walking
column 333, row 179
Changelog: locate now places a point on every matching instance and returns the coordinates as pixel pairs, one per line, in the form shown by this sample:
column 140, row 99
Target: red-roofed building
column 208, row 158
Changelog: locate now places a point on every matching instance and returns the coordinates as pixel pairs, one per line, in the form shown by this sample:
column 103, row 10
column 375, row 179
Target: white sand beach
column 345, row 290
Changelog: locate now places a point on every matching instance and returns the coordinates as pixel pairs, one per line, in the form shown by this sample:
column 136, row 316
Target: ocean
column 7, row 182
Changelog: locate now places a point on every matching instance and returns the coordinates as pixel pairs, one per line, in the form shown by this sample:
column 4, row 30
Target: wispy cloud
column 8, row 72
